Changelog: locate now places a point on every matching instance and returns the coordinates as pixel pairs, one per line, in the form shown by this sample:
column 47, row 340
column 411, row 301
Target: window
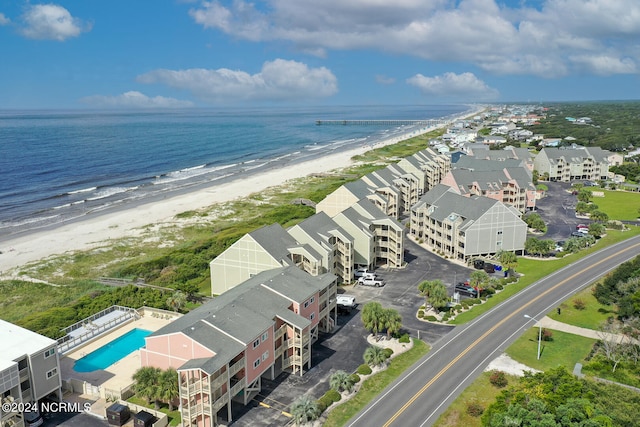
column 52, row 372
column 49, row 352
column 265, row 355
column 312, row 316
column 311, row 300
column 256, row 363
column 306, row 304
column 265, row 336
column 500, row 233
column 256, row 343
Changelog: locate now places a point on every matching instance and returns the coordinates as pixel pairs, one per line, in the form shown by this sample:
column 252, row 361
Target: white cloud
column 501, row 39
column 134, row 99
column 51, row 22
column 448, row 85
column 384, row 80
column 3, row 19
column 278, row 80
column 604, row 65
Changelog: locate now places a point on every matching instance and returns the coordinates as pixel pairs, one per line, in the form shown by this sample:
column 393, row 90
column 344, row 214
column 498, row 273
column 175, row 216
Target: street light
column 539, row 332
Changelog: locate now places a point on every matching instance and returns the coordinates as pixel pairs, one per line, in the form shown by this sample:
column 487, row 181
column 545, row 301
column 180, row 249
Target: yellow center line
column 488, row 332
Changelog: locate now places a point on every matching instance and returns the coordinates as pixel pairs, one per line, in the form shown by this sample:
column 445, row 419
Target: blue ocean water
column 59, row 165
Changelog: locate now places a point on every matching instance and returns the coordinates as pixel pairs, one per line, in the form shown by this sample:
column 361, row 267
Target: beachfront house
column 29, row 372
column 462, row 227
column 258, row 329
column 567, row 164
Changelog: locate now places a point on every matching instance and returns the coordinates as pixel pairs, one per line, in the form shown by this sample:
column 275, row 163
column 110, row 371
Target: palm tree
column 374, row 356
column 599, row 216
column 340, row 380
column 177, row 301
column 435, row 293
column 393, row 321
column 373, row 317
column 147, row 379
column 304, row 409
column 168, row 386
column 478, row 279
column 508, row 260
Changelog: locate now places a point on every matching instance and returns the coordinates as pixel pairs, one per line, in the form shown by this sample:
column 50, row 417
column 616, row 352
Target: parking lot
column 557, row 209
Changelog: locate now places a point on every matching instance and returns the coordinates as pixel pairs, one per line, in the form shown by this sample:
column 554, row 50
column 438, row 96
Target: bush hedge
column 333, row 395
column 404, row 338
column 364, row 369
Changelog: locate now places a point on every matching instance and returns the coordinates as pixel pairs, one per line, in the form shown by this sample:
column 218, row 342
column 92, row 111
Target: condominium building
column 567, row 164
column 510, row 185
column 332, row 242
column 224, row 348
column 462, row 227
column 29, row 370
column 261, row 250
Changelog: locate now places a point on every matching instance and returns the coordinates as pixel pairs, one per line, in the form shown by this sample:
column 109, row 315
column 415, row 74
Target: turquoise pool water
column 111, row 352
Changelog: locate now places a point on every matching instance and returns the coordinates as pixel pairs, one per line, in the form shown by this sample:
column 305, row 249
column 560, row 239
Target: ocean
column 60, row 165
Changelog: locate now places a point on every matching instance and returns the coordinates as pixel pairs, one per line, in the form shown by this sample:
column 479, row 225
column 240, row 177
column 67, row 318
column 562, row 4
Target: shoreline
column 99, row 228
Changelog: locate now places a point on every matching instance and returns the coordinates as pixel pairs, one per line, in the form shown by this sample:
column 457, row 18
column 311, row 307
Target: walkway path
column 547, row 322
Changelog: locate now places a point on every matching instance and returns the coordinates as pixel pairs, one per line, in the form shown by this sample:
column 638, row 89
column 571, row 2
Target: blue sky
column 196, row 53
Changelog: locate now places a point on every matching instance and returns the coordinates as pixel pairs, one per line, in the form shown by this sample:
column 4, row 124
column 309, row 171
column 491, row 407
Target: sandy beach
column 97, row 230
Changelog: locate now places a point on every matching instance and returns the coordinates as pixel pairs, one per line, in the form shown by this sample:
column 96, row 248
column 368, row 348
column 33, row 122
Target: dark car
column 478, row 264
column 489, row 268
column 465, row 289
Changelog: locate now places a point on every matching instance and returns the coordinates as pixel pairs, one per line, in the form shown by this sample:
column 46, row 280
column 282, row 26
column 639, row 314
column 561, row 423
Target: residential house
column 461, row 227
column 224, row 348
column 29, row 370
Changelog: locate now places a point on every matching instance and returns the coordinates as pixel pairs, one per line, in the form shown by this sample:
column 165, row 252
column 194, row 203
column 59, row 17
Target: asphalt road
column 430, row 386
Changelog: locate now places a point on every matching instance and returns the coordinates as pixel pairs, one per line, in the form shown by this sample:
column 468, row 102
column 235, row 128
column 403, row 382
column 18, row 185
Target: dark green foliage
column 557, row 398
column 364, row 369
column 607, row 291
column 50, row 322
column 631, row 171
column 535, row 222
column 388, row 352
column 404, row 338
column 333, row 395
column 355, row 378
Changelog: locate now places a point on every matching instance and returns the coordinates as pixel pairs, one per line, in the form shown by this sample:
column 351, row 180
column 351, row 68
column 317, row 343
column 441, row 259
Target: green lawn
column 591, row 316
column 620, row 205
column 534, row 270
column 564, row 350
column 374, row 385
column 480, row 392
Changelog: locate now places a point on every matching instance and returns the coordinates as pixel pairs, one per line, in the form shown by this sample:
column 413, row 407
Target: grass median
column 374, row 385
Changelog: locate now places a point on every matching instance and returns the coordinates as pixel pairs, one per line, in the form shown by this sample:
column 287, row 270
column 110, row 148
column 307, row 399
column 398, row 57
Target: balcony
column 24, row 374
column 237, row 387
column 236, row 367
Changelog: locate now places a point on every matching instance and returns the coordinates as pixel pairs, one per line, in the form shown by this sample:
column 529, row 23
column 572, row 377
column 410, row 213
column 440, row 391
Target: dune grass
column 590, row 316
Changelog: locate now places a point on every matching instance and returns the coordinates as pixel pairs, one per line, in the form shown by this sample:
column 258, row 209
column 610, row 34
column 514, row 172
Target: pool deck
column 118, row 375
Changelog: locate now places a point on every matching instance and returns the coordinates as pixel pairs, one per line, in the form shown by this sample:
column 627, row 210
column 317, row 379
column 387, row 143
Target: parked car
column 580, row 226
column 361, row 272
column 489, row 268
column 346, row 302
column 463, row 288
column 578, row 234
column 478, row 264
column 371, row 282
column 583, row 230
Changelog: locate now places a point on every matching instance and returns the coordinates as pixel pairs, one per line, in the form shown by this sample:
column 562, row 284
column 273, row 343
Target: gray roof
column 359, row 188
column 576, row 154
column 448, row 203
column 482, row 164
column 322, row 226
column 229, row 322
column 275, row 240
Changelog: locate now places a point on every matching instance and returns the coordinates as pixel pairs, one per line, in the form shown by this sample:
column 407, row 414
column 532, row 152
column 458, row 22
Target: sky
column 194, row 53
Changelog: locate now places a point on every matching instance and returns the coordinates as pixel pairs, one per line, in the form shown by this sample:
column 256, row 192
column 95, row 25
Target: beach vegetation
column 304, row 409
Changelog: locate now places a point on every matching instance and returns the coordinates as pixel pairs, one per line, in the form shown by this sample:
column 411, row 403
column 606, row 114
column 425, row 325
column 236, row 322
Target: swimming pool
column 111, row 352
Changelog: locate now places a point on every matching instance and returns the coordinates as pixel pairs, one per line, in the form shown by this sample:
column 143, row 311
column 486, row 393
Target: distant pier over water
column 384, row 122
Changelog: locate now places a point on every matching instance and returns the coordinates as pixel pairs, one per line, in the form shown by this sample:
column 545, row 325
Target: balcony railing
column 236, row 367
column 235, row 389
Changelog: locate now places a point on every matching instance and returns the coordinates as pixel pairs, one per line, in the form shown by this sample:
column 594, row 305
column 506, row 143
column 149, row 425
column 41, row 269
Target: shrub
column 355, row 378
column 475, row 409
column 323, row 404
column 498, row 379
column 579, row 304
column 431, row 318
column 404, row 338
column 499, row 287
column 333, row 395
column 547, row 335
column 388, row 352
column 421, row 313
column 364, row 369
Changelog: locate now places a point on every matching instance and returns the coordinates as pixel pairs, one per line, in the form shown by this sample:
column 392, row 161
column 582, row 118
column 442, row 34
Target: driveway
column 557, row 209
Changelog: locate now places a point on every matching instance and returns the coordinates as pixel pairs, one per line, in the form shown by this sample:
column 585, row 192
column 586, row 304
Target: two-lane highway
column 426, row 389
